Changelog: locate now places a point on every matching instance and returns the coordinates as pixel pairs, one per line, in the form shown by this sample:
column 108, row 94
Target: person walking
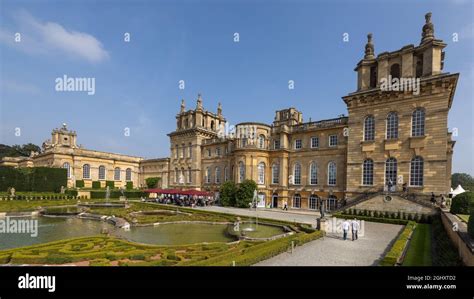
column 355, row 229
column 285, row 205
column 433, row 198
column 345, row 229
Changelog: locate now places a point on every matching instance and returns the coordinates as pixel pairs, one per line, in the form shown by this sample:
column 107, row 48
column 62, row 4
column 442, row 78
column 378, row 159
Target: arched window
column 297, row 174
column 373, row 76
column 418, row 123
column 86, row 171
column 218, row 175
column 392, row 125
column 261, row 173
column 313, row 174
column 261, row 141
column 275, row 173
column 101, row 172
column 226, row 173
column 208, row 175
column 67, row 166
column 117, row 174
column 395, row 71
column 241, row 172
column 332, row 173
column 128, row 174
column 297, row 201
column 212, row 125
column 313, row 202
column 416, row 171
column 391, row 171
column 369, row 128
column 368, row 172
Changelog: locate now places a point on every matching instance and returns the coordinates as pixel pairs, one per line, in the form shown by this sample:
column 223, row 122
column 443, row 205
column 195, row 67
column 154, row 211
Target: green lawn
column 419, row 250
column 463, row 217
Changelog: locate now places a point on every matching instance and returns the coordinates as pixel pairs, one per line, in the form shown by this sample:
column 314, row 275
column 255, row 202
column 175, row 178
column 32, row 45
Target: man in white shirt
column 345, row 228
column 355, row 229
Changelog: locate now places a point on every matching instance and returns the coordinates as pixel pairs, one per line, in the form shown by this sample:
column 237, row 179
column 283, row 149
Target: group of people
column 354, row 226
column 442, row 201
column 185, row 200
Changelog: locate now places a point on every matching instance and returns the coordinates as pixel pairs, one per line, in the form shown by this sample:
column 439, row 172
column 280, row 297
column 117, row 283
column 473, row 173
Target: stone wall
column 460, row 238
column 378, row 203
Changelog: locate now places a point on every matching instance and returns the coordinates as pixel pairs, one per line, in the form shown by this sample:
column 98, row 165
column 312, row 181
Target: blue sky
column 137, row 82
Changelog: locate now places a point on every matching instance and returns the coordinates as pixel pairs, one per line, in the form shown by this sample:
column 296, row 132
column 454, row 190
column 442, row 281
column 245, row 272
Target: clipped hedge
column 129, row 185
column 96, row 184
column 394, row 254
column 462, row 202
column 80, row 183
column 40, row 179
column 110, row 184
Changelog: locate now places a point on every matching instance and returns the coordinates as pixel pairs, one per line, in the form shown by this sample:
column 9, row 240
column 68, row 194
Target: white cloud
column 39, row 37
column 18, row 87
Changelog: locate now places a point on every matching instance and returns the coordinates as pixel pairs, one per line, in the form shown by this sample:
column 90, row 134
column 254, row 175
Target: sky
column 137, row 82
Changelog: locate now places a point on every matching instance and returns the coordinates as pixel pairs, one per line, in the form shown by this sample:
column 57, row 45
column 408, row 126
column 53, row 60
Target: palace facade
column 392, row 139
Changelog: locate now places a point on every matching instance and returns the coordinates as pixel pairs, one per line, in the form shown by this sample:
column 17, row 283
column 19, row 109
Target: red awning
column 180, row 192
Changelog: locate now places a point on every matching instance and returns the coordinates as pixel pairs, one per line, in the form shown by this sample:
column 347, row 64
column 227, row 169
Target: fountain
column 253, row 204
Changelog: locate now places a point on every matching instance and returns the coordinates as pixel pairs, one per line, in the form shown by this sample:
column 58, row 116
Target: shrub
column 460, row 204
column 71, row 192
column 110, row 184
column 41, row 179
column 96, row 184
column 80, row 183
column 227, row 193
column 393, row 255
column 244, row 195
column 129, row 186
column 152, row 182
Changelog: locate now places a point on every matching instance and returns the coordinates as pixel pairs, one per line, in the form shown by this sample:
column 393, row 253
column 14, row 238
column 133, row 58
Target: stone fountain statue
column 107, row 193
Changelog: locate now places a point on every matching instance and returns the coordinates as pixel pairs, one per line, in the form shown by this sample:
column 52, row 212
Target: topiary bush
column 80, row 183
column 96, row 184
column 461, row 203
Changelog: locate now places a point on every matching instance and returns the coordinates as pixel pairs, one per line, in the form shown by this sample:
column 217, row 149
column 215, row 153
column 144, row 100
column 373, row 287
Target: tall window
column 297, row 174
column 275, row 173
column 241, row 172
column 314, row 142
column 128, row 174
column 183, row 151
column 208, row 152
column 190, row 175
column 117, row 174
column 190, row 153
column 261, row 173
column 297, row 201
column 368, row 172
column 298, row 144
column 392, row 125
column 276, row 144
column 226, row 173
column 369, row 128
column 243, row 142
column 391, row 171
column 416, row 171
column 261, row 141
column 208, row 175
column 332, row 140
column 218, row 175
column 101, row 172
column 418, row 123
column 218, row 151
column 68, row 169
column 176, row 175
column 86, row 171
column 332, row 173
column 176, row 153
column 313, row 174
column 313, row 202
column 395, row 70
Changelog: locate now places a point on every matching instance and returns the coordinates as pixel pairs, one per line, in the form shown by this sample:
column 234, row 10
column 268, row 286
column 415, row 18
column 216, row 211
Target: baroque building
column 395, row 138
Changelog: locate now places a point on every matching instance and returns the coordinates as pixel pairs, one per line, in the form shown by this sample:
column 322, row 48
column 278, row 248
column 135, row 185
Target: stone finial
column 428, row 29
column 183, row 106
column 199, row 102
column 369, row 48
column 219, row 109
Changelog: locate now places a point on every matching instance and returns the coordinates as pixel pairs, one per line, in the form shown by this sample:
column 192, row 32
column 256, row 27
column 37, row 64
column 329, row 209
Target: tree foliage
column 463, row 179
column 152, row 182
column 244, row 195
column 227, row 194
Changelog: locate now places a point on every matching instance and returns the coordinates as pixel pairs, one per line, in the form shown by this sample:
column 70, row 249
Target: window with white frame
column 261, row 173
column 297, row 174
column 67, row 166
column 218, row 175
column 218, row 151
column 208, row 152
column 314, row 142
column 418, row 123
column 368, row 172
column 313, row 202
column 128, row 174
column 261, row 141
column 101, row 172
column 298, row 144
column 208, row 175
column 297, row 201
column 332, row 140
column 190, row 150
column 391, row 171
column 86, row 171
column 226, row 173
column 117, row 174
column 332, row 173
column 392, row 125
column 369, row 128
column 275, row 173
column 313, row 174
column 416, row 171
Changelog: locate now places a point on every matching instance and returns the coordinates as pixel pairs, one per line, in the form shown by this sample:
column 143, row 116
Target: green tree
column 244, row 195
column 463, row 179
column 152, row 182
column 462, row 202
column 227, row 194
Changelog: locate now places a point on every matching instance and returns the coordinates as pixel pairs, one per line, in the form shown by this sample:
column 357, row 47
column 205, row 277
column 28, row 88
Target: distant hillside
column 18, row 150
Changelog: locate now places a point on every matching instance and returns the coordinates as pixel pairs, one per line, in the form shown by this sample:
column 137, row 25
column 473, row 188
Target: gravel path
column 334, row 251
